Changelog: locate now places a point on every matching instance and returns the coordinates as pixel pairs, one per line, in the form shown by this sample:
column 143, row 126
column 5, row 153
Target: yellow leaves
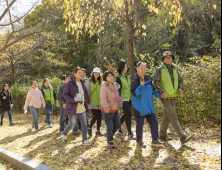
column 137, row 33
column 144, row 26
column 215, row 6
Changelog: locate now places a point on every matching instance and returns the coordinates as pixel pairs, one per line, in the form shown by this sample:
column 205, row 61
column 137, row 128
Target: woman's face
column 46, row 84
column 168, row 60
column 6, row 88
column 34, row 85
column 110, row 78
column 79, row 74
column 96, row 75
column 125, row 69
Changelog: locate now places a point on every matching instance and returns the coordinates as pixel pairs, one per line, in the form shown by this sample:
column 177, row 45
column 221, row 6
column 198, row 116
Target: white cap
column 96, row 70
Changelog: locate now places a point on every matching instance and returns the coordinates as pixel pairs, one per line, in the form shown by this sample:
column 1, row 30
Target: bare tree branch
column 6, row 10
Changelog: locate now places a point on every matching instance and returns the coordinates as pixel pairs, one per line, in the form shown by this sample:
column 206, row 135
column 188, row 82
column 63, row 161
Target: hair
column 3, row 88
column 45, row 80
column 121, row 67
column 83, row 69
column 33, row 82
column 63, row 77
column 140, row 63
column 105, row 75
column 94, row 80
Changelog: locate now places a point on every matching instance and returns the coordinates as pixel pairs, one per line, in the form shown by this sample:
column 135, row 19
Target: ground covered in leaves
column 45, row 146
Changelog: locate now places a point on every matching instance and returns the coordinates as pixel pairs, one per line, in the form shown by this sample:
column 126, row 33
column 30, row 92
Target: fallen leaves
column 46, row 147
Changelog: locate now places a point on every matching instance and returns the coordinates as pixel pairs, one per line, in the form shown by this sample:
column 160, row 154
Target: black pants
column 127, row 116
column 97, row 116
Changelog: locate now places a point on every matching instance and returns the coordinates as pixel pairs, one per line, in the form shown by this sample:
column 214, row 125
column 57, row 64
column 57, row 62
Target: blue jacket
column 142, row 96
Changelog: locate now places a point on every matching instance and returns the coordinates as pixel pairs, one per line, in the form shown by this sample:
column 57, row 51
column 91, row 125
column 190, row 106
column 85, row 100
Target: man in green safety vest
column 170, row 84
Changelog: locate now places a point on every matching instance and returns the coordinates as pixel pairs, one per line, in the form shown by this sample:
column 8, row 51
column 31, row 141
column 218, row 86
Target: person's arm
column 42, row 100
column 66, row 94
column 120, row 83
column 157, row 81
column 54, row 94
column 104, row 102
column 10, row 98
column 60, row 95
column 156, row 93
column 28, row 99
column 88, row 86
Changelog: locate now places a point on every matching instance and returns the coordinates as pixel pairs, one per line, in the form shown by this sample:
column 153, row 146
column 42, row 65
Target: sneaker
column 111, row 145
column 157, row 143
column 99, row 133
column 12, row 124
column 87, row 143
column 90, row 132
column 64, row 138
column 77, row 133
column 186, row 139
column 50, row 126
column 132, row 136
column 141, row 144
column 165, row 138
column 120, row 131
column 1, row 124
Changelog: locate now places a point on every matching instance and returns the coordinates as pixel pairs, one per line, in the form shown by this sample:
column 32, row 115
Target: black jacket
column 62, row 100
column 5, row 103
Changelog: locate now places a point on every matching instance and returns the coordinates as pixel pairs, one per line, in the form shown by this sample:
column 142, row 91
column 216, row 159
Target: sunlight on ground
column 46, row 146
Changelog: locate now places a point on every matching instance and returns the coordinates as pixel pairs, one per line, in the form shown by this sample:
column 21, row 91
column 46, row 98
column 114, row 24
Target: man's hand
column 4, row 97
column 142, row 82
column 75, row 99
column 64, row 106
column 181, row 92
column 164, row 95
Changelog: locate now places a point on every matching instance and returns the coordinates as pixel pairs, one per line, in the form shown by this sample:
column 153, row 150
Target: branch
column 6, row 10
column 145, row 14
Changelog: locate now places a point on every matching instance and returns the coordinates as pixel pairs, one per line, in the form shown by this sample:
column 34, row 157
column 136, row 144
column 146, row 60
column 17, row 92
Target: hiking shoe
column 132, row 136
column 157, row 143
column 87, row 143
column 141, row 144
column 120, row 131
column 186, row 139
column 111, row 145
column 99, row 133
column 12, row 124
column 77, row 133
column 90, row 132
column 1, row 124
column 50, row 126
column 165, row 138
column 64, row 138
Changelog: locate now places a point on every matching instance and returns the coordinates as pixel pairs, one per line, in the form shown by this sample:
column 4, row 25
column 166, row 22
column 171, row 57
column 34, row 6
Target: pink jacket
column 34, row 98
column 108, row 96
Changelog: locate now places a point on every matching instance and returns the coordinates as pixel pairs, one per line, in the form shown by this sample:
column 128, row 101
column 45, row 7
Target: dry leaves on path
column 46, row 147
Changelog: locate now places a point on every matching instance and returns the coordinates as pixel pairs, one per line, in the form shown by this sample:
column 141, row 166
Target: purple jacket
column 69, row 93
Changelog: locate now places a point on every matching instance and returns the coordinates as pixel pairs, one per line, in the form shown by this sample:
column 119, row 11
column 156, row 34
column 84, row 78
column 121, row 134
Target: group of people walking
column 103, row 94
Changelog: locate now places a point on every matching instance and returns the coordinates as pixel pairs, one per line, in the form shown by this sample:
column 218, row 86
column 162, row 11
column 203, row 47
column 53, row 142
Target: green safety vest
column 125, row 89
column 166, row 82
column 47, row 95
column 95, row 98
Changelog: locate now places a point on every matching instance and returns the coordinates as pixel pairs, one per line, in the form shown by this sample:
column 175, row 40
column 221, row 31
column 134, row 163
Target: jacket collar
column 74, row 80
column 105, row 83
column 169, row 66
column 139, row 78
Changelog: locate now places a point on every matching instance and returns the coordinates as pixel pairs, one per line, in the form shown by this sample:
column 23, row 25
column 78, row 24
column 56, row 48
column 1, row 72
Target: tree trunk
column 130, row 47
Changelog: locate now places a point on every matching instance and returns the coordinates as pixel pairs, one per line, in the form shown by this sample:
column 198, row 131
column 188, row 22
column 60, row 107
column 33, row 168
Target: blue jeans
column 153, row 125
column 48, row 111
column 35, row 114
column 113, row 124
column 62, row 118
column 73, row 123
column 9, row 115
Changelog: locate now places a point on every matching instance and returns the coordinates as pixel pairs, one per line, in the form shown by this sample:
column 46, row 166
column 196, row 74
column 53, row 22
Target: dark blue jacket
column 142, row 96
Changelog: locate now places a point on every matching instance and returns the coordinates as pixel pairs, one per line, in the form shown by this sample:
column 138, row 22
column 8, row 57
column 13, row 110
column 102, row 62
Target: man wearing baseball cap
column 170, row 84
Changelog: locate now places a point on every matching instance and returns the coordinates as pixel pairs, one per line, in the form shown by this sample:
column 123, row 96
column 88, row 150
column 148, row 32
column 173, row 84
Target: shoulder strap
column 94, row 90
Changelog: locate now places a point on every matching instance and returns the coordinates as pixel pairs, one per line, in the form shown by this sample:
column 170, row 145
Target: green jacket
column 167, row 79
column 49, row 95
column 125, row 83
column 94, row 92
